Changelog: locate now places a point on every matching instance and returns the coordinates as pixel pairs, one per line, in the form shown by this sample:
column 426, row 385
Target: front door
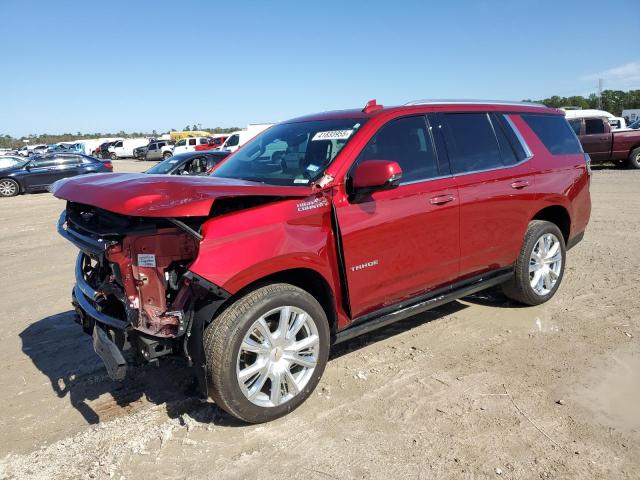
column 597, row 139
column 401, row 242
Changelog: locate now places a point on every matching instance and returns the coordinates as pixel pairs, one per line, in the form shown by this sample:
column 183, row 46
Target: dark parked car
column 20, row 175
column 190, row 163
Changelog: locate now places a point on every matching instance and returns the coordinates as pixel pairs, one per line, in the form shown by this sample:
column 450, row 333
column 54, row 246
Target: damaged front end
column 134, row 293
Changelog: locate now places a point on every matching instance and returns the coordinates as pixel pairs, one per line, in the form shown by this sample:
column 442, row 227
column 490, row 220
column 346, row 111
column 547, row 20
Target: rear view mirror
column 373, row 175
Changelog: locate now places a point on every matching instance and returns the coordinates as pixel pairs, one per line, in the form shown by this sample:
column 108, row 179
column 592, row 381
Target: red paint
column 374, row 173
column 397, row 243
column 139, row 194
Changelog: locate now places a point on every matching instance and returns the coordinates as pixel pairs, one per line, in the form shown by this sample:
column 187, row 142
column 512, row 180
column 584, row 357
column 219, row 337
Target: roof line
column 473, row 102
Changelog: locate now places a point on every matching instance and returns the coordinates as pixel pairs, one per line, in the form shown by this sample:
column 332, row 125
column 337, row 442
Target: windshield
column 290, row 153
column 10, row 162
column 169, row 164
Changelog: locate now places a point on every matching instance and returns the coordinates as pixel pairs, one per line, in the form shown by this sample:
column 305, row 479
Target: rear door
column 494, row 179
column 597, row 139
column 191, row 144
column 402, row 242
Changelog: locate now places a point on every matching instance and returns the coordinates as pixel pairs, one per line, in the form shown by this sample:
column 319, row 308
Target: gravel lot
column 477, row 389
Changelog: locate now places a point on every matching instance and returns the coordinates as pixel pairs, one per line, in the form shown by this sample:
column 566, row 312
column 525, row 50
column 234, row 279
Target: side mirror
column 372, row 175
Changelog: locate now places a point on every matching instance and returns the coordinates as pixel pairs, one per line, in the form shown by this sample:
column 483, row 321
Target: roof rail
column 474, row 102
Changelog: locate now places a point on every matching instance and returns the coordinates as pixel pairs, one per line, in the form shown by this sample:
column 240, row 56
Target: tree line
column 7, row 141
column 613, row 101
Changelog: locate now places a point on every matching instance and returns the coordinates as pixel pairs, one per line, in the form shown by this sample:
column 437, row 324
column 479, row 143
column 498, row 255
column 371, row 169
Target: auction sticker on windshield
column 332, row 135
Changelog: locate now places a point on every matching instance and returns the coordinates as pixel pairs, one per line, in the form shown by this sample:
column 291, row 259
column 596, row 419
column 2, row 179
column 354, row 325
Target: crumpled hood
column 143, row 195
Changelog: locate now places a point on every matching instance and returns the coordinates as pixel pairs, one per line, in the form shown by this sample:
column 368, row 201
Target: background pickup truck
column 604, row 145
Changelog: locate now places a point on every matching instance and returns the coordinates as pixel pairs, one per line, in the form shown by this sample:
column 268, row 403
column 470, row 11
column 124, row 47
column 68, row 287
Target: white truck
column 240, row 137
column 189, row 144
column 124, row 148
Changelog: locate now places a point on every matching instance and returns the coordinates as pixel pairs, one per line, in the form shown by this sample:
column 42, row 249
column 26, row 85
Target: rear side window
column 471, row 142
column 406, row 141
column 593, row 126
column 511, row 148
column 554, row 131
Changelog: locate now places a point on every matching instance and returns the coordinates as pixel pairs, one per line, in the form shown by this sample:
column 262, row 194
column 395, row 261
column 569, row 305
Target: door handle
column 441, row 199
column 520, row 184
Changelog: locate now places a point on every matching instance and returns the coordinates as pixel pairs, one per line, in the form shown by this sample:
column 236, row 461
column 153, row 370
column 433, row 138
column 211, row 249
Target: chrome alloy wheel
column 277, row 356
column 7, row 188
column 545, row 264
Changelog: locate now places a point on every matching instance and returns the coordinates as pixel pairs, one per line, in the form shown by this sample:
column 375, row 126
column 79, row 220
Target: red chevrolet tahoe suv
column 322, row 228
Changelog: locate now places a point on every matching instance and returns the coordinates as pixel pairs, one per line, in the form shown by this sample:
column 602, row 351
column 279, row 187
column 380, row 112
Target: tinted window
column 153, row 146
column 192, row 141
column 233, row 141
column 181, row 143
column 471, row 142
column 593, row 126
column 576, row 124
column 203, row 141
column 554, row 131
column 406, row 141
column 511, row 150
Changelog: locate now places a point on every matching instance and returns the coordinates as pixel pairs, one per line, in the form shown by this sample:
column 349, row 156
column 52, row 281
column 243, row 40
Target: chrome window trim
column 525, row 146
column 413, row 182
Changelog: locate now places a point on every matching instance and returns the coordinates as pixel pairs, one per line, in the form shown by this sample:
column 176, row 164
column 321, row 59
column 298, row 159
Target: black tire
column 113, row 156
column 166, row 155
column 634, row 159
column 9, row 187
column 223, row 337
column 519, row 287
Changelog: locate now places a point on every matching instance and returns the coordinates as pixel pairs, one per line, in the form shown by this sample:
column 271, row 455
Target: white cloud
column 626, row 75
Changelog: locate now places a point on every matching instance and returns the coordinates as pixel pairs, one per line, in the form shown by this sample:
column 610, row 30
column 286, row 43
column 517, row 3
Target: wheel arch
column 558, row 215
column 304, row 278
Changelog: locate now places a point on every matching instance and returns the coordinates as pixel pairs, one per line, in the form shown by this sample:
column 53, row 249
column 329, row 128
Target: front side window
column 181, row 143
column 233, row 141
column 593, row 126
column 576, row 125
column 290, row 153
column 192, row 141
column 407, row 142
column 554, row 132
column 153, row 146
column 471, row 142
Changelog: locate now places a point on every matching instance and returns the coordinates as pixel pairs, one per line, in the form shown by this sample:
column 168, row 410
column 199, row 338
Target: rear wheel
column 9, row 187
column 266, row 352
column 540, row 266
column 166, row 155
column 634, row 158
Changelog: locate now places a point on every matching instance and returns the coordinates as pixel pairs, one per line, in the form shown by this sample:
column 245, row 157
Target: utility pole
column 599, row 94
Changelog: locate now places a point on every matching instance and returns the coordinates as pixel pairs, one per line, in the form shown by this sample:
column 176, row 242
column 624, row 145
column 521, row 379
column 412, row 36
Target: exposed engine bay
column 132, row 270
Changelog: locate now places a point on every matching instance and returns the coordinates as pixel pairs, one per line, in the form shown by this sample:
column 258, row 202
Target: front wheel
column 266, row 352
column 166, row 155
column 114, row 156
column 539, row 267
column 9, row 187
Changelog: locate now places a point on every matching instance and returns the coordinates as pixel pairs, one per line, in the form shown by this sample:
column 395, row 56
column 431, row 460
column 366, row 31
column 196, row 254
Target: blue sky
column 87, row 66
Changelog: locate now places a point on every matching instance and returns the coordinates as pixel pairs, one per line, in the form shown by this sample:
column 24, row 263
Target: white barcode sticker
column 332, row 135
column 146, row 260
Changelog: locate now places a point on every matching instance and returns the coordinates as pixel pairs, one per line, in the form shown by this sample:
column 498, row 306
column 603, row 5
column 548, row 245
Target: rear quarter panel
column 560, row 180
column 623, row 143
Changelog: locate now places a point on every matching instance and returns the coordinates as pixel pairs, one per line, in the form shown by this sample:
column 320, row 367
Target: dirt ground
column 477, row 389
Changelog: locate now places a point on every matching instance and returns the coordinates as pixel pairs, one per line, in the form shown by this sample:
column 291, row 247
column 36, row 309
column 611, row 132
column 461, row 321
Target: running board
column 403, row 310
